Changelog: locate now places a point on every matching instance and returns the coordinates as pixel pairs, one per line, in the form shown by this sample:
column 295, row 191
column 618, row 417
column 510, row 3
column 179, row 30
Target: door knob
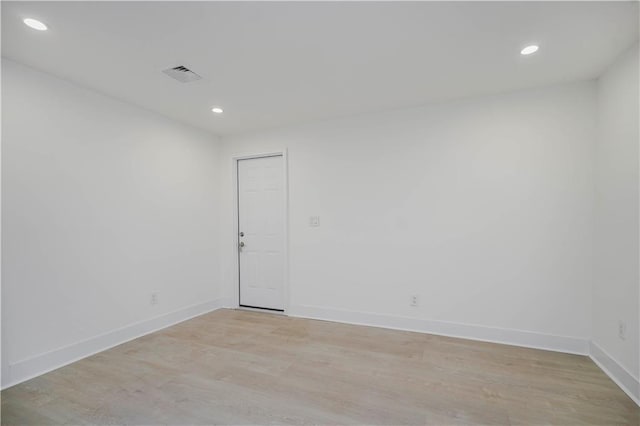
column 241, row 244
column 242, row 234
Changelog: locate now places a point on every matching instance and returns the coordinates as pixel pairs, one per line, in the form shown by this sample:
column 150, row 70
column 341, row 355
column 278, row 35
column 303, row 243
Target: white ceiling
column 270, row 64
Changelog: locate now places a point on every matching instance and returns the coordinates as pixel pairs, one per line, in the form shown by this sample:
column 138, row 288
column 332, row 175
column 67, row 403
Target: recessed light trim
column 35, row 24
column 529, row 49
column 217, row 110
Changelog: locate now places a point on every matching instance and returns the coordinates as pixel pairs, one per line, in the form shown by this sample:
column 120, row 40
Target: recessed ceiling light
column 529, row 50
column 217, row 110
column 35, row 24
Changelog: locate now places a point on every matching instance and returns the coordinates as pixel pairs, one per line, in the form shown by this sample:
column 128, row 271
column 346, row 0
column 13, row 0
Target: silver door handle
column 241, row 244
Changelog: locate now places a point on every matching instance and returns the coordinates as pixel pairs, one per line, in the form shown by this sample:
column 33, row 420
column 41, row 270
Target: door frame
column 236, row 213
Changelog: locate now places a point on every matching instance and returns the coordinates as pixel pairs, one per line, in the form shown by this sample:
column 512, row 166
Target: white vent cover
column 182, row 74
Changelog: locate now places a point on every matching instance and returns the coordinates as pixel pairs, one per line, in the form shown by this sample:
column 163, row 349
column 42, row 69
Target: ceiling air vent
column 182, row 74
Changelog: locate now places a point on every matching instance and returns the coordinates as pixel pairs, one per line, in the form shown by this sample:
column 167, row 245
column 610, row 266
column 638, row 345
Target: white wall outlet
column 154, row 299
column 314, row 221
column 622, row 330
column 414, row 301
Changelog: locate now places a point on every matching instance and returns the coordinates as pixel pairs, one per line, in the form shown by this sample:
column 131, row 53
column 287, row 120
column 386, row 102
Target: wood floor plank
column 240, row 367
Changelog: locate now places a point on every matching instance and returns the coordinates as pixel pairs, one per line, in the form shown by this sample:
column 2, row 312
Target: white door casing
column 261, row 232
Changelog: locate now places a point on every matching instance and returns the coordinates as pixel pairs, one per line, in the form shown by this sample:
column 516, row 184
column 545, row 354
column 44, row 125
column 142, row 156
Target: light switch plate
column 314, row 221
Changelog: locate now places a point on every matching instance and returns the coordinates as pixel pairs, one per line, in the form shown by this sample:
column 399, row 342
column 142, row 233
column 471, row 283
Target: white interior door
column 261, row 227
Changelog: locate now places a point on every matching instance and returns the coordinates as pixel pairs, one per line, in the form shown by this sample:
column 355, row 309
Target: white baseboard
column 526, row 339
column 35, row 366
column 29, row 368
column 612, row 368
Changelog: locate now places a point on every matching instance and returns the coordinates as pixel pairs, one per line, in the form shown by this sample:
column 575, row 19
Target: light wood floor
column 238, row 367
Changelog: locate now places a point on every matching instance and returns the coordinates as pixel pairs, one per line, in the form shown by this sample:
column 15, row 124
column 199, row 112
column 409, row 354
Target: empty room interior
column 329, row 213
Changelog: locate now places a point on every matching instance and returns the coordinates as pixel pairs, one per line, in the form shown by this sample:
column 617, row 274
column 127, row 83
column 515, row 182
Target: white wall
column 617, row 271
column 483, row 207
column 103, row 204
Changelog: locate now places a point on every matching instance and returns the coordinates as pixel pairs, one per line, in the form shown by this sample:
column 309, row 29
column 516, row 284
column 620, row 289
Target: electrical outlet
column 154, row 299
column 314, row 221
column 415, row 300
column 622, row 330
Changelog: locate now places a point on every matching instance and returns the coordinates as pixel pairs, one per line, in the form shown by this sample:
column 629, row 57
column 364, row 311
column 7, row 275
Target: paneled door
column 261, row 232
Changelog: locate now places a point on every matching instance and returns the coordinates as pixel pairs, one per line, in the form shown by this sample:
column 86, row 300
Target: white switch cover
column 314, row 221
